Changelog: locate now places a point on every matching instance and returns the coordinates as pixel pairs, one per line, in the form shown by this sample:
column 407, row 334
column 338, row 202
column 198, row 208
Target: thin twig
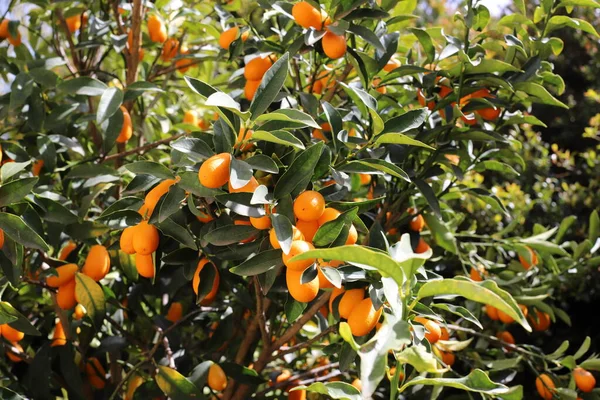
column 142, row 149
column 304, row 344
column 260, row 313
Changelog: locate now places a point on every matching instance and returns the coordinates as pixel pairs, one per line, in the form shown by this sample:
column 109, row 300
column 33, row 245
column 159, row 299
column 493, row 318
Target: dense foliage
column 274, row 199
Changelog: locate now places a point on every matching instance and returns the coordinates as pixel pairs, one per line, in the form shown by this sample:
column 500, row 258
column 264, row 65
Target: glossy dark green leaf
column 17, row 320
column 91, row 296
column 409, row 120
column 20, row 232
column 175, row 385
column 111, row 100
column 195, row 149
column 15, row 191
column 83, row 85
column 229, row 234
column 171, row 202
column 329, row 231
column 283, row 231
column 297, row 176
column 150, row 168
column 260, row 263
column 280, row 137
column 180, row 233
column 269, row 88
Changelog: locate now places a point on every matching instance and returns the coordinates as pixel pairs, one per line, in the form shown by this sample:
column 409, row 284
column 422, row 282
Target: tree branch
column 134, row 53
column 260, row 313
column 142, row 149
column 304, row 344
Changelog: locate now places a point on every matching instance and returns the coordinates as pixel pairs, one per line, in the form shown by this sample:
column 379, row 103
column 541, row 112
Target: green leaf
column 259, row 263
column 579, row 3
column 289, row 115
column 91, row 296
column 367, row 106
column 371, row 165
column 335, row 390
column 240, row 173
column 426, row 42
column 229, row 234
column 83, row 85
column 171, row 203
column 20, row 89
column 300, row 172
column 260, row 162
column 486, row 292
column 430, row 196
column 177, row 232
column 150, row 168
column 16, row 320
column 138, row 88
column 329, row 231
column 175, row 385
column 283, row 231
column 460, row 311
column 591, row 364
column 9, row 170
column 367, row 35
column 540, row 93
column 399, row 138
column 111, row 100
column 442, row 235
column 195, row 149
column 585, row 346
column 489, row 65
column 418, row 356
column 477, row 381
column 20, row 232
column 269, row 88
column 15, row 191
column 360, row 256
column 293, row 309
column 560, row 21
column 594, row 226
column 280, row 137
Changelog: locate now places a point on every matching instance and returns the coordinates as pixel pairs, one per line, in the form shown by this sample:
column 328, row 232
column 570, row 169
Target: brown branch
column 304, row 344
column 331, row 92
column 172, row 68
column 297, row 377
column 40, row 284
column 265, row 355
column 134, row 53
column 142, row 149
column 63, row 23
column 260, row 313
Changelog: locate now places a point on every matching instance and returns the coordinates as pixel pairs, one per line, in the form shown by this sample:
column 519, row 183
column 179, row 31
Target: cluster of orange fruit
column 143, row 239
column 191, row 117
column 254, row 71
column 6, row 34
column 13, row 336
column 444, row 89
column 584, row 380
column 307, row 16
column 358, row 310
column 97, row 265
column 434, row 333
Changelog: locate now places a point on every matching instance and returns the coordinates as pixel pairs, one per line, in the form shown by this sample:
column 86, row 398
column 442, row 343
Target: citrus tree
column 274, row 199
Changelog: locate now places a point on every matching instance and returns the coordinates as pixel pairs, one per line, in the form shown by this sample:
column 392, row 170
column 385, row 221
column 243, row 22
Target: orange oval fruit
column 357, row 383
column 352, row 235
column 65, row 273
column 214, row 172
column 417, row 223
column 127, row 127
column 66, row 251
column 444, row 335
column 309, row 206
column 250, row 89
column 506, row 336
column 298, row 247
column 58, row 337
column 135, row 382
column 15, row 348
column 545, row 386
column 532, row 256
column 145, row 265
column 80, row 312
column 261, row 223
column 145, row 238
column 297, row 395
column 364, row 317
column 175, row 312
column 257, row 67
column 475, row 274
column 65, row 296
column 37, row 167
column 433, row 331
column 296, row 235
column 170, row 49
column 492, row 312
column 11, row 334
column 73, row 23
column 157, row 29
column 303, row 293
column 391, row 65
column 157, row 192
column 229, row 35
column 422, row 247
column 448, row 358
column 334, row 46
column 196, row 280
column 190, row 117
column 249, row 187
column 329, row 214
column 350, row 299
column 335, row 293
column 324, row 283
column 5, row 33
column 541, row 322
column 95, row 373
column 1, row 238
column 308, row 229
column 584, row 380
column 306, row 15
column 97, row 263
column 126, row 241
column 217, row 380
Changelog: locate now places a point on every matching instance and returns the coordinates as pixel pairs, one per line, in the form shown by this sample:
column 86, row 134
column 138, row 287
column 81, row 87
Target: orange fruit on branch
column 217, row 380
column 214, row 172
column 64, row 274
column 545, row 386
column 127, row 127
column 334, row 46
column 229, row 35
column 157, row 29
column 433, row 331
column 298, row 247
column 309, row 206
column 584, row 380
column 364, row 317
column 144, row 265
column 97, row 263
column 302, row 292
